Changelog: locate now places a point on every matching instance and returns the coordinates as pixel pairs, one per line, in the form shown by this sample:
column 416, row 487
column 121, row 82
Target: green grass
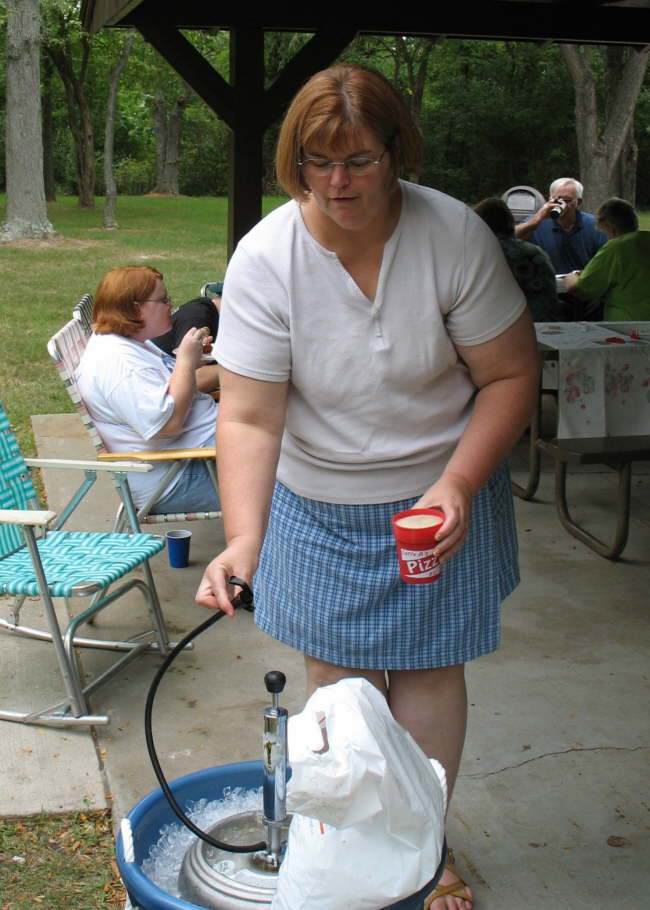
column 644, row 221
column 183, row 237
column 59, row 862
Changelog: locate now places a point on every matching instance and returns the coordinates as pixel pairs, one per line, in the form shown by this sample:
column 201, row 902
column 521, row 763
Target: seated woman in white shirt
column 141, row 398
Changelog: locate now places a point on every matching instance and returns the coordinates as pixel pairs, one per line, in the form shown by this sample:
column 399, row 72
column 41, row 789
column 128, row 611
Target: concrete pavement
column 552, row 806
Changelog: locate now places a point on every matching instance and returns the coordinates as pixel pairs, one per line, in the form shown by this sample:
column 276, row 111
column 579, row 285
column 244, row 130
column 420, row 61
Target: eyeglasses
column 164, row 300
column 567, row 199
column 357, row 165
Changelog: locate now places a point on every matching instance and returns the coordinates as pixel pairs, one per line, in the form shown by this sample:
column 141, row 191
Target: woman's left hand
column 452, row 494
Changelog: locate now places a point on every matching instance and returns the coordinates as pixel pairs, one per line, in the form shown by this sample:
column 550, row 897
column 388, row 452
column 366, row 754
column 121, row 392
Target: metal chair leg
column 19, row 600
column 73, row 710
column 155, row 610
column 212, row 471
column 126, row 514
column 54, row 716
column 69, row 670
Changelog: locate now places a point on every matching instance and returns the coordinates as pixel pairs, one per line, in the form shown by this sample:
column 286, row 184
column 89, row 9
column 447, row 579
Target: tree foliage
column 493, row 114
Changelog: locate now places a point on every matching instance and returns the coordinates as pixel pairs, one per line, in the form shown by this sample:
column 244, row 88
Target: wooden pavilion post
column 245, row 104
column 247, row 136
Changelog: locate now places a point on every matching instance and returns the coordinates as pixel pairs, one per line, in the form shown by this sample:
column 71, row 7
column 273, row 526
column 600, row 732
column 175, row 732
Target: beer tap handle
column 275, row 681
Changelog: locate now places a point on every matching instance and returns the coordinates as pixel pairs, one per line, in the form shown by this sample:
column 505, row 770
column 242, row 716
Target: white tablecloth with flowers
column 602, row 375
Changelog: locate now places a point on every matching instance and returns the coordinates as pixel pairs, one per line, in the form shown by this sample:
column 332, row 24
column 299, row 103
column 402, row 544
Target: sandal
column 456, row 888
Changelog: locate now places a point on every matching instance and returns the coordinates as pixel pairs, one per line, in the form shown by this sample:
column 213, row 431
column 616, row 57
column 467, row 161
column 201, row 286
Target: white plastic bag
column 369, row 806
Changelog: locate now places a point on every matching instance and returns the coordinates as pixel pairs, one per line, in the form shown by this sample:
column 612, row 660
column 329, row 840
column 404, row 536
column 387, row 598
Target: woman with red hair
column 141, row 398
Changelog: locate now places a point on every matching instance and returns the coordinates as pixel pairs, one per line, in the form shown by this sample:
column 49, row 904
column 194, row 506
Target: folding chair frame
column 73, row 709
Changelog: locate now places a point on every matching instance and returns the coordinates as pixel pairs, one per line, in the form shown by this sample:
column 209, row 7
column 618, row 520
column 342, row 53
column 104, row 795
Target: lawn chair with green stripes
column 40, row 559
column 66, row 349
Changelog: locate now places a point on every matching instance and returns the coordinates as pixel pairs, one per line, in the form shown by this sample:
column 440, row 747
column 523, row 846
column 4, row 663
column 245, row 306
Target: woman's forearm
column 502, row 411
column 506, row 373
column 247, row 457
column 207, row 378
column 182, row 382
column 249, row 433
column 182, row 385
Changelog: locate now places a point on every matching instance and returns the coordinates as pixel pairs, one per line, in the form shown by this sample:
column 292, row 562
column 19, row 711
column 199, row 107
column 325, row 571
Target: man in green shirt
column 619, row 273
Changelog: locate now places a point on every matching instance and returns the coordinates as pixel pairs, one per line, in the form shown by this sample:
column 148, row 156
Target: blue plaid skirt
column 328, row 584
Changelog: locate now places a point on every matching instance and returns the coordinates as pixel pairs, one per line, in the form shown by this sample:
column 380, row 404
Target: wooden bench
column 618, row 453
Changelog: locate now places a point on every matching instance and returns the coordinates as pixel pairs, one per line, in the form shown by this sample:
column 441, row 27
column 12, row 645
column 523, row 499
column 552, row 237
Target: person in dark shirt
column 529, row 264
column 201, row 312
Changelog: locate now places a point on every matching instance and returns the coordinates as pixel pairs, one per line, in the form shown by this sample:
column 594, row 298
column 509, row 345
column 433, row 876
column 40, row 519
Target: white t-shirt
column 378, row 397
column 125, row 387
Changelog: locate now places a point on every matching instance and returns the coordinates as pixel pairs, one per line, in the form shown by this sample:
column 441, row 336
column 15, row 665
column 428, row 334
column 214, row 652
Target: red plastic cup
column 415, row 533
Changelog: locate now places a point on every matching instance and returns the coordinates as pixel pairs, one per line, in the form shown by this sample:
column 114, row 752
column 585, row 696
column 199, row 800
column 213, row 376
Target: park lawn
column 59, row 862
column 184, row 237
column 644, row 221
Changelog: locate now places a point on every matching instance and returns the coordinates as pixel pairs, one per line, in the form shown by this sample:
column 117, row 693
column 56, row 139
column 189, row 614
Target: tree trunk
column 48, row 132
column 600, row 147
column 26, row 213
column 626, row 169
column 167, row 124
column 79, row 115
column 415, row 54
column 624, row 175
column 110, row 205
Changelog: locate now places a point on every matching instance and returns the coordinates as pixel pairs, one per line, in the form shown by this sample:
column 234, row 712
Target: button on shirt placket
column 379, row 334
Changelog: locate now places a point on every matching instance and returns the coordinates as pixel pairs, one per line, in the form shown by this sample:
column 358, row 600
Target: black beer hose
column 244, row 601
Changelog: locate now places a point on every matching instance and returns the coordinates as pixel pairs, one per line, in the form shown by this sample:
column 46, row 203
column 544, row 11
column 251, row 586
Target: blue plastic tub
column 149, row 816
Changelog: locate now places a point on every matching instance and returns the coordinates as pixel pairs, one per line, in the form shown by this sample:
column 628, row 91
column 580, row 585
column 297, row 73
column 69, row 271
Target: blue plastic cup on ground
column 178, row 548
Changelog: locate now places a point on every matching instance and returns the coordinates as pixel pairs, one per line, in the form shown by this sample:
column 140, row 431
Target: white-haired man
column 571, row 238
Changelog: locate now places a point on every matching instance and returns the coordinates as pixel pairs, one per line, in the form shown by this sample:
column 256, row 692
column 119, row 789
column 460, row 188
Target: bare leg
column 320, row 673
column 432, row 706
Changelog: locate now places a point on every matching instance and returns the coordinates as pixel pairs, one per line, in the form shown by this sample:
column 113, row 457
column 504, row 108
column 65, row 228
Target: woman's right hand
column 451, row 493
column 191, row 347
column 214, row 590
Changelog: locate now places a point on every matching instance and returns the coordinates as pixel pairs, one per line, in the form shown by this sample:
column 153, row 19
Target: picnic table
column 600, row 373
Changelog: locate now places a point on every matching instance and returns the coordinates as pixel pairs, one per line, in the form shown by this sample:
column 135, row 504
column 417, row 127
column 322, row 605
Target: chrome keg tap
column 274, row 787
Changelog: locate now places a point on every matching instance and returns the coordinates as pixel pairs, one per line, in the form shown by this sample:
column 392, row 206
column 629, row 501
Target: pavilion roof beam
column 192, row 66
column 223, row 98
column 522, row 20
column 317, row 54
